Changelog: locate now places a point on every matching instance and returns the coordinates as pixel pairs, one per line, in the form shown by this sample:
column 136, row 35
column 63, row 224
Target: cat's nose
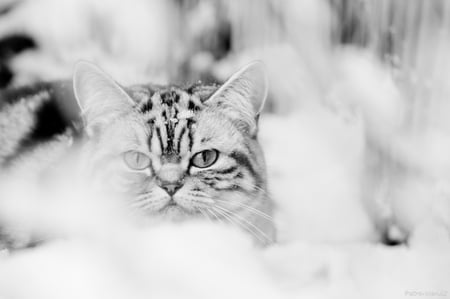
column 171, row 189
column 170, row 178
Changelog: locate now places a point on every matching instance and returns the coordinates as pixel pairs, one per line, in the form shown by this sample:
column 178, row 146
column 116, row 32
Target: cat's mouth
column 172, row 206
column 172, row 203
column 176, row 211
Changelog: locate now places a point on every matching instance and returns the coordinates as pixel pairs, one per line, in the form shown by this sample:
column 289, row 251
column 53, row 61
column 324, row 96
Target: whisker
column 140, row 198
column 140, row 204
column 234, row 220
column 204, row 200
column 143, row 204
column 143, row 195
column 217, row 218
column 246, row 221
column 256, row 187
column 203, row 212
column 249, row 208
column 230, row 219
column 207, row 208
column 215, row 215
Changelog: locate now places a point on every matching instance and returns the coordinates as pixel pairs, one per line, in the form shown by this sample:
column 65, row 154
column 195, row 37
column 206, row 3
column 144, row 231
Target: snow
column 332, row 109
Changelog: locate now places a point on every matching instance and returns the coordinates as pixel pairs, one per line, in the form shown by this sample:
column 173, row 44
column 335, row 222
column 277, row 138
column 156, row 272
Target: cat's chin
column 175, row 213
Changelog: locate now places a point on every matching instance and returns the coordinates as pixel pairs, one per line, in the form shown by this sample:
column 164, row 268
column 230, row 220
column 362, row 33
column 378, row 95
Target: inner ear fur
column 243, row 95
column 99, row 97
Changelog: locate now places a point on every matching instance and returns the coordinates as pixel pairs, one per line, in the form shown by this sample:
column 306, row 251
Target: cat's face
column 178, row 153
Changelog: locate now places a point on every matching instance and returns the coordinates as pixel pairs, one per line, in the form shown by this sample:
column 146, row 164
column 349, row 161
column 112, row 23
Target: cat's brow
column 170, row 113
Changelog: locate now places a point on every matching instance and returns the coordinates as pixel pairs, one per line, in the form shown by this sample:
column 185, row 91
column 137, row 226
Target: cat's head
column 177, row 151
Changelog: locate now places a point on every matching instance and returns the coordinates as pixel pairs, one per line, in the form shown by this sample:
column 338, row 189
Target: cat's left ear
column 243, row 95
column 100, row 98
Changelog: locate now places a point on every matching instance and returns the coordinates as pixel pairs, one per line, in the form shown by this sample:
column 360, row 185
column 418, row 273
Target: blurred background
column 356, row 129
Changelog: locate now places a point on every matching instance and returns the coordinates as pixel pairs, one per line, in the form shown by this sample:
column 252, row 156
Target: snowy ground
column 330, row 107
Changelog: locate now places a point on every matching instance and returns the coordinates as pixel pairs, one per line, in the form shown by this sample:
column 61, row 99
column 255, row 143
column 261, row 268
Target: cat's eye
column 136, row 160
column 205, row 158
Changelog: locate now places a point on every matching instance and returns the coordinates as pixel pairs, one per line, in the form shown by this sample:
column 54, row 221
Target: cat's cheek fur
column 170, row 125
column 135, row 182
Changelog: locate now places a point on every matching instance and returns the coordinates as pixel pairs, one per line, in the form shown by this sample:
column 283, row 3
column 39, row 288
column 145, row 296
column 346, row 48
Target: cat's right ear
column 100, row 98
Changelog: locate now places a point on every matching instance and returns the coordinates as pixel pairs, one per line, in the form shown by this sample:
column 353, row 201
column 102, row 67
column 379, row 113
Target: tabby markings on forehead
column 171, row 115
column 186, row 114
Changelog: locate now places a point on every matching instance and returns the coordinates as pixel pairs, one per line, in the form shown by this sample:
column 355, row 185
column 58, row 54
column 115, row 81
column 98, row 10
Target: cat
column 177, row 153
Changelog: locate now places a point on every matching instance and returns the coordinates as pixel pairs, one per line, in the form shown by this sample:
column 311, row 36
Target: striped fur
column 170, row 125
